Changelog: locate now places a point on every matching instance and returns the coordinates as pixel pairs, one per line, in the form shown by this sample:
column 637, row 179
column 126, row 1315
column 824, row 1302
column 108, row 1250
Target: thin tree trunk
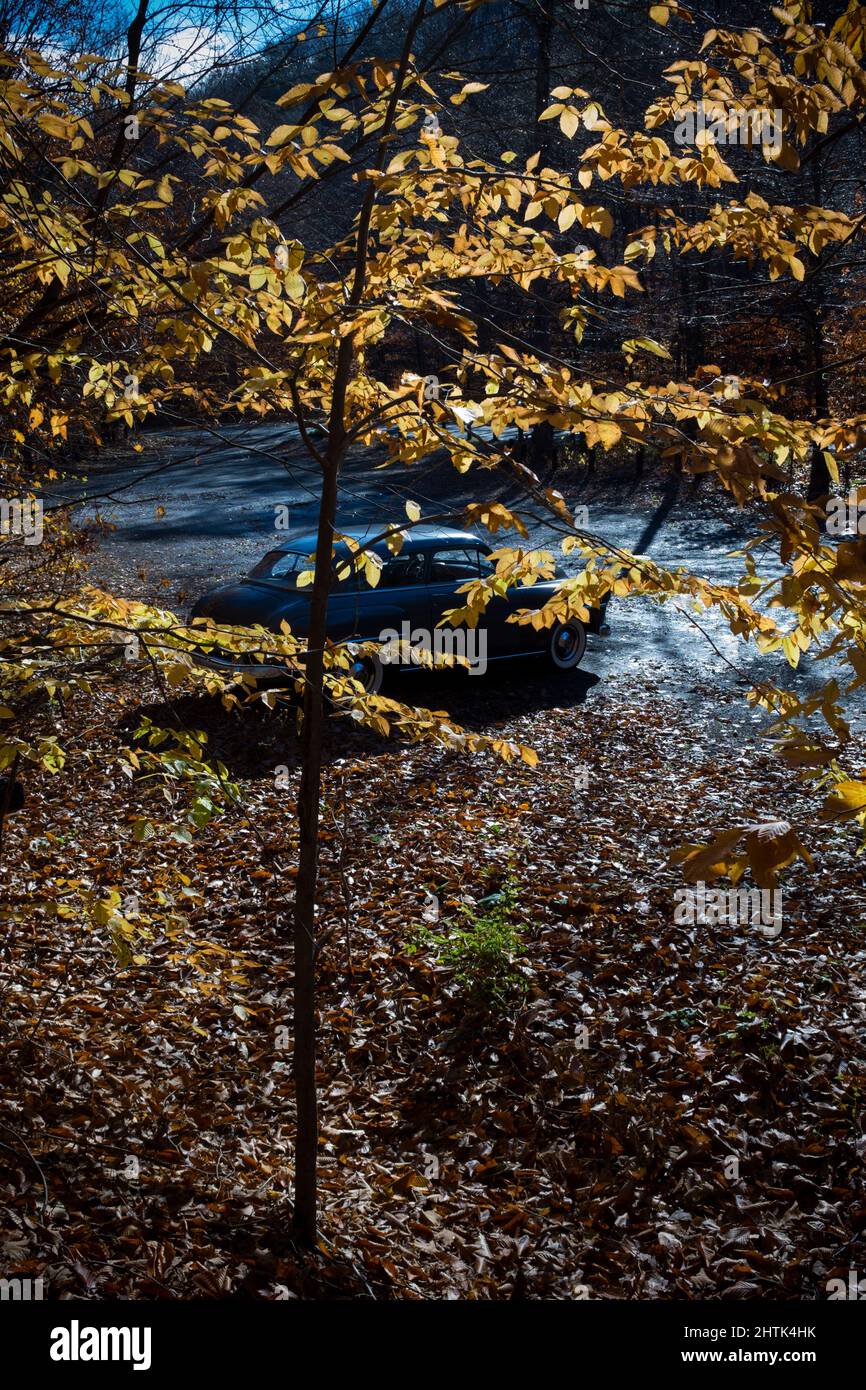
column 819, row 474
column 312, row 737
column 820, row 483
column 541, row 438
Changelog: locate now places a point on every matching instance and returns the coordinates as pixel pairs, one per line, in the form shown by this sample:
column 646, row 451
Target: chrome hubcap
column 566, row 643
column 362, row 671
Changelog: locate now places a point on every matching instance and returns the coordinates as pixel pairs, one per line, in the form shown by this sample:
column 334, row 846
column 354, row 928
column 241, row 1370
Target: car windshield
column 286, row 565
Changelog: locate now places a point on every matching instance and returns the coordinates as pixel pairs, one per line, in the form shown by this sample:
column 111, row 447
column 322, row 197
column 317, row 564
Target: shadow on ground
column 252, row 741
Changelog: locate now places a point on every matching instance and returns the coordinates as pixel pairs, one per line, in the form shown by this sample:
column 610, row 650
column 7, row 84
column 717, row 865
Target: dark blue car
column 400, row 615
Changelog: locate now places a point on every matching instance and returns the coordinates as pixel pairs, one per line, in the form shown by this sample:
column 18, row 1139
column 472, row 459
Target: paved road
column 222, row 498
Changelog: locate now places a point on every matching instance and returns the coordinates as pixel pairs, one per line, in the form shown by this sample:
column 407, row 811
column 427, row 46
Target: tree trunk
column 820, row 483
column 309, row 795
column 304, row 1225
column 541, row 440
column 819, row 474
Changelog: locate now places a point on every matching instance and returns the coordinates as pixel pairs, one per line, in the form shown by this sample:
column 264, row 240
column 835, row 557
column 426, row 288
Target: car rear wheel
column 566, row 645
column 367, row 668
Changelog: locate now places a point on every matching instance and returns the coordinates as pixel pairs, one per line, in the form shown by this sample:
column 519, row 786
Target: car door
column 359, row 610
column 451, row 567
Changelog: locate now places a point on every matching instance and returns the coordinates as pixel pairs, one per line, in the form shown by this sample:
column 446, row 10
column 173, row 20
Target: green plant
column 480, row 949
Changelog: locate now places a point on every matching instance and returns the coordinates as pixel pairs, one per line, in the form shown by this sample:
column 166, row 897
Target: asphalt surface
column 193, row 510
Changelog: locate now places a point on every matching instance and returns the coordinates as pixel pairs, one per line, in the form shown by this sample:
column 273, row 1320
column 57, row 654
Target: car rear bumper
column 598, row 623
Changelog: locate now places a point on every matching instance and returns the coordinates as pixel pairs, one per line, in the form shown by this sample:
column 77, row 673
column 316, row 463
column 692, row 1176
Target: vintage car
column 414, row 590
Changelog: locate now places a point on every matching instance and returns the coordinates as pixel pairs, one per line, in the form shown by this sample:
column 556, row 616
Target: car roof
column 417, row 537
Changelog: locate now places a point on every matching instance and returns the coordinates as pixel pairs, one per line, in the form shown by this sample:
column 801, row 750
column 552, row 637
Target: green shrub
column 480, row 948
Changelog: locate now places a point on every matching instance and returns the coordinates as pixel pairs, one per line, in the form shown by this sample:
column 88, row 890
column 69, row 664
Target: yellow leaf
column 608, row 433
column 569, row 122
column 786, row 156
column 708, row 861
column 771, row 846
column 648, row 345
column 53, row 125
column 281, row 134
column 847, row 799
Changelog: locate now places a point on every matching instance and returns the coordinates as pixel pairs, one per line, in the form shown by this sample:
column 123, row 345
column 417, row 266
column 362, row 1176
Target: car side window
column 401, row 570
column 452, row 566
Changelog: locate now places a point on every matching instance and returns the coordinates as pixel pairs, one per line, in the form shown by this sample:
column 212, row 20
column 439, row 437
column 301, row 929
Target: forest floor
column 702, row 1138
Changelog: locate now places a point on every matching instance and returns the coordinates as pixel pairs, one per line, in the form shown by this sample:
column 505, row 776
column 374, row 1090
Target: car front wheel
column 566, row 645
column 367, row 668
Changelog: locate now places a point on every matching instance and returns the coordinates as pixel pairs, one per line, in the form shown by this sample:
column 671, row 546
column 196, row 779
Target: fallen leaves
column 672, row 1114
